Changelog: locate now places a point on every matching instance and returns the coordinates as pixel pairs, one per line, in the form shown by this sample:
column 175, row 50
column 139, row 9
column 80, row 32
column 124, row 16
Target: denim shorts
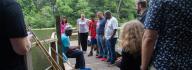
column 93, row 41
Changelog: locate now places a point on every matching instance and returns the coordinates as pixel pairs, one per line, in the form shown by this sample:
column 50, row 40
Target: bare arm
column 115, row 26
column 114, row 32
column 78, row 32
column 20, row 45
column 89, row 28
column 148, row 43
column 78, row 27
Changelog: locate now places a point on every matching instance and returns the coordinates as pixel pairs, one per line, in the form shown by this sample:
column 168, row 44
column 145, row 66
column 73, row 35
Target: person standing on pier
column 83, row 29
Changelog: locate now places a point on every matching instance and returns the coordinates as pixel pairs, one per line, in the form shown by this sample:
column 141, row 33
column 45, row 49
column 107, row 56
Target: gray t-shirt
column 83, row 25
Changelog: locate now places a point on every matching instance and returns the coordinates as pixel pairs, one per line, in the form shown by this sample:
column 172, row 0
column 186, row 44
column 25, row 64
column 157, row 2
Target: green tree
column 39, row 13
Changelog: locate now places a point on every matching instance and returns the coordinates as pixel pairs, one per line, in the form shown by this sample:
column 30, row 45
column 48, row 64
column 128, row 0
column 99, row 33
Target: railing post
column 53, row 47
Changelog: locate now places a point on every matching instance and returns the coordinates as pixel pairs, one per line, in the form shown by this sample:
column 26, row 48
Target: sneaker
column 90, row 54
column 103, row 59
column 85, row 69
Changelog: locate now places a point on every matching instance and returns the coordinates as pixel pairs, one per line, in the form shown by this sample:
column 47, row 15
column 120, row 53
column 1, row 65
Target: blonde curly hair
column 131, row 36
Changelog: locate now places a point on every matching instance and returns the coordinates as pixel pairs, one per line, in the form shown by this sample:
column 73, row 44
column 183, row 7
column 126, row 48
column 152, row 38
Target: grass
column 39, row 60
column 43, row 34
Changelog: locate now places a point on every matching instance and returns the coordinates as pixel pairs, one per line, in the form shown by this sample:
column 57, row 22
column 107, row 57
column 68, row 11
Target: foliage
column 39, row 13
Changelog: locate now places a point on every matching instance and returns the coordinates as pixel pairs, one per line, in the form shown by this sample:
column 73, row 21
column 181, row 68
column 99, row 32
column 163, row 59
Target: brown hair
column 143, row 3
column 66, row 19
column 131, row 36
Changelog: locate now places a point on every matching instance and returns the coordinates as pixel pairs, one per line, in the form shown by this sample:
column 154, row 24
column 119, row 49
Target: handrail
column 53, row 39
column 43, row 41
column 42, row 47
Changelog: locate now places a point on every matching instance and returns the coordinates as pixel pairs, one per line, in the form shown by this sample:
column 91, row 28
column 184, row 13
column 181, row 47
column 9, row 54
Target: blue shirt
column 101, row 27
column 65, row 42
column 173, row 21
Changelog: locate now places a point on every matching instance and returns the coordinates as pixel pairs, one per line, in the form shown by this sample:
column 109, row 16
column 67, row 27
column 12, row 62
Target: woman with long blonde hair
column 130, row 41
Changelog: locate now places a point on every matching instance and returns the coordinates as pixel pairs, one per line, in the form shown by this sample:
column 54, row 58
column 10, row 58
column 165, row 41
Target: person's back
column 130, row 41
column 173, row 21
column 130, row 61
column 11, row 27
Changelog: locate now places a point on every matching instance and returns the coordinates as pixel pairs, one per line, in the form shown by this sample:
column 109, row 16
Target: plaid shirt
column 92, row 28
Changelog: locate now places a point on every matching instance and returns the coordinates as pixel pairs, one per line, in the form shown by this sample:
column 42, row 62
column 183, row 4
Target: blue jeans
column 101, row 47
column 80, row 61
column 110, row 44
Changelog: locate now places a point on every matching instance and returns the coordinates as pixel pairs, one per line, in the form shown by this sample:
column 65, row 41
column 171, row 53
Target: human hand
column 143, row 67
column 30, row 36
column 89, row 38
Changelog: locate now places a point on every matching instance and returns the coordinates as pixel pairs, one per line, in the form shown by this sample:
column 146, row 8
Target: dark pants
column 17, row 67
column 80, row 60
column 83, row 40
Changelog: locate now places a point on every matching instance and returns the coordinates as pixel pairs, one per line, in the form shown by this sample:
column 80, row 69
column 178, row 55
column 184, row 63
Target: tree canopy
column 39, row 13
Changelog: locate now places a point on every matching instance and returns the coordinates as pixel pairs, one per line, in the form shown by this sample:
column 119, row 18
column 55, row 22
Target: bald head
column 68, row 30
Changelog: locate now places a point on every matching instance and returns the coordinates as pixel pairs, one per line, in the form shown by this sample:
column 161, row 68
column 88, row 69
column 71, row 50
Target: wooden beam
column 45, row 41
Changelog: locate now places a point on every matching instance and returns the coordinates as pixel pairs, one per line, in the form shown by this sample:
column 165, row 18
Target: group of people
column 161, row 40
column 150, row 42
column 102, row 30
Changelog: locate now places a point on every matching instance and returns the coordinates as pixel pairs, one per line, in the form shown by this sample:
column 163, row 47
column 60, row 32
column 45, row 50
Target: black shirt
column 11, row 26
column 130, row 61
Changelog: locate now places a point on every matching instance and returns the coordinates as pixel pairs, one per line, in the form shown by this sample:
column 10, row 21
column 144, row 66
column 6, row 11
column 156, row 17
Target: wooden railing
column 51, row 41
column 53, row 44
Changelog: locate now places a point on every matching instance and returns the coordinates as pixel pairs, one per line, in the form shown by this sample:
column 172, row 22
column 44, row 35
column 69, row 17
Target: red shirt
column 92, row 28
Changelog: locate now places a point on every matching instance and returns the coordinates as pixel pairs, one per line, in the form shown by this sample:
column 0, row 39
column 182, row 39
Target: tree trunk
column 118, row 8
column 58, row 30
column 57, row 18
